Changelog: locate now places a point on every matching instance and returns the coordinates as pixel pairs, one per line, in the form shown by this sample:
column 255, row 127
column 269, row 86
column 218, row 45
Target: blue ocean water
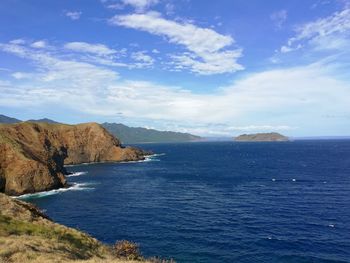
column 218, row 202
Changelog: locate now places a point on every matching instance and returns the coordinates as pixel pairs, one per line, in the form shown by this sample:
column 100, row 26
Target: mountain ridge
column 143, row 135
column 126, row 134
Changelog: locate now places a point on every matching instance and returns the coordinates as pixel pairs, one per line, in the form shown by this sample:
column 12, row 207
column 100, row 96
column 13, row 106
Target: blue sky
column 211, row 68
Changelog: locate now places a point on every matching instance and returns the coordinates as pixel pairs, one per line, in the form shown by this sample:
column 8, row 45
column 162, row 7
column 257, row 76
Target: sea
column 217, row 201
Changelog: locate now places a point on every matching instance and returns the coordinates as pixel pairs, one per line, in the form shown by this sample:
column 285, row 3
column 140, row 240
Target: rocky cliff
column 262, row 137
column 32, row 155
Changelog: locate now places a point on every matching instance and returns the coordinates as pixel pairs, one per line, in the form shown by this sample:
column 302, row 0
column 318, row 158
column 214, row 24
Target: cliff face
column 262, row 137
column 32, row 155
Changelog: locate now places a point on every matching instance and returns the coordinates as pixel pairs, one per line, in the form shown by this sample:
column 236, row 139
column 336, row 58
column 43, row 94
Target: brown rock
column 32, row 155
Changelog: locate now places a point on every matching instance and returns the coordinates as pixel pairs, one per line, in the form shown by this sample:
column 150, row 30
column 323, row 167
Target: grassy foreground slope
column 27, row 235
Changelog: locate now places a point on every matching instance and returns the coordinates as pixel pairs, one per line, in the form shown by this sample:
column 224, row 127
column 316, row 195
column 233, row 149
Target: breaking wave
column 76, row 174
column 73, row 187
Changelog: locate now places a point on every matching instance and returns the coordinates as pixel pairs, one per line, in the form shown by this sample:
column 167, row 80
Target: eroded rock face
column 32, row 155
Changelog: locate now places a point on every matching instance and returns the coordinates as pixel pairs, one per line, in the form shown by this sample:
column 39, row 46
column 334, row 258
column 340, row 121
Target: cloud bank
column 280, row 99
column 207, row 51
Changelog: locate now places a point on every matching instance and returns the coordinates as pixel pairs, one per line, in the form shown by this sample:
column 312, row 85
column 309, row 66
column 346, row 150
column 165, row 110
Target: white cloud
column 115, row 6
column 207, row 48
column 55, row 71
column 332, row 32
column 21, row 75
column 98, row 49
column 279, row 18
column 140, row 5
column 280, row 99
column 74, row 15
column 169, row 8
column 144, row 59
column 260, row 128
column 18, row 41
column 287, row 49
column 102, row 54
column 229, row 131
column 39, row 44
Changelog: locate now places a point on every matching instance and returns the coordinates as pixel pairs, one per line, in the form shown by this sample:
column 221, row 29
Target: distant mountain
column 142, row 135
column 6, row 119
column 44, row 120
column 127, row 134
column 262, row 137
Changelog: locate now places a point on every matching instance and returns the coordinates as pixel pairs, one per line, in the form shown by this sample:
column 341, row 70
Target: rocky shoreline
column 32, row 160
column 33, row 155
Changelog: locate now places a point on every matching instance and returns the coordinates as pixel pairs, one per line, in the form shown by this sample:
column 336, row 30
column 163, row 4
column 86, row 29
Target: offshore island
column 262, row 137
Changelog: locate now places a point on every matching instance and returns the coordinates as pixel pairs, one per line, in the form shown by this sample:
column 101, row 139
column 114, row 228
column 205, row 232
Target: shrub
column 128, row 250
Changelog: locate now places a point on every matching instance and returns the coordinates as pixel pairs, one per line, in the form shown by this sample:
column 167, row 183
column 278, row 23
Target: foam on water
column 148, row 158
column 76, row 174
column 73, row 187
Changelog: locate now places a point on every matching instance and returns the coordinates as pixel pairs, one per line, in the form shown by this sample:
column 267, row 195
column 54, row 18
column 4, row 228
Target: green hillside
column 141, row 135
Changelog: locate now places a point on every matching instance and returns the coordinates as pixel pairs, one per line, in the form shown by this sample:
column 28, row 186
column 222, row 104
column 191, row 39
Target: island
column 262, row 137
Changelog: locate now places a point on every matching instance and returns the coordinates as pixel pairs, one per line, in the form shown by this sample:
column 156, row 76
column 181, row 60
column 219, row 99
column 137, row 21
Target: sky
column 211, row 68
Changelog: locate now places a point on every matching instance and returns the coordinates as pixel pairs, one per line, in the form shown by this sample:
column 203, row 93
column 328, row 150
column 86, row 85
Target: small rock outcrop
column 262, row 137
column 33, row 155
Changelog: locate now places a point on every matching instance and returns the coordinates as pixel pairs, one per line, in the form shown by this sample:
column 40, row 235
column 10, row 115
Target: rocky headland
column 33, row 155
column 262, row 137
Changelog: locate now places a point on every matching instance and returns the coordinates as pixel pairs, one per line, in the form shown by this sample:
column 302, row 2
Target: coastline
column 80, row 186
column 28, row 235
column 145, row 158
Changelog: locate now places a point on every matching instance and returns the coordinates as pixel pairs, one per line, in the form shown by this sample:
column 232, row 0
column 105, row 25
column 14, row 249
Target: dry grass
column 127, row 250
column 31, row 241
column 27, row 235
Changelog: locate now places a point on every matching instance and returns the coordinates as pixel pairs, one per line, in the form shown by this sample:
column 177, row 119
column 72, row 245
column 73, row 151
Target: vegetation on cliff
column 27, row 235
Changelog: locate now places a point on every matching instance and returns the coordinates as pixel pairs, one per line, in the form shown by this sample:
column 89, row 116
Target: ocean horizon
column 217, row 201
